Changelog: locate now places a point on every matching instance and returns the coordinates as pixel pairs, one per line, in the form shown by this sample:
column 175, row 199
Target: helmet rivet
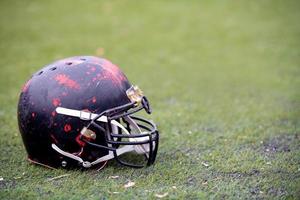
column 63, row 163
column 86, row 164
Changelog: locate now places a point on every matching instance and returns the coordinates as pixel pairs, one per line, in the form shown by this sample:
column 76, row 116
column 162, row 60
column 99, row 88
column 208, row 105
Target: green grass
column 222, row 78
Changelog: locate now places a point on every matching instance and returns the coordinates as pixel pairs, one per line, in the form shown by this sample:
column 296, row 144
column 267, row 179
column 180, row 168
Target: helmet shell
column 82, row 83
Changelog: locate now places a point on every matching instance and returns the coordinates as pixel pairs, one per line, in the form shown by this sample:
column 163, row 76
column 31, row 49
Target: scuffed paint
column 93, row 100
column 26, row 86
column 56, row 102
column 54, row 139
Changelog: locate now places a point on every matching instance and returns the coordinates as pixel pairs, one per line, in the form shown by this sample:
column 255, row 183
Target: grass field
column 222, row 78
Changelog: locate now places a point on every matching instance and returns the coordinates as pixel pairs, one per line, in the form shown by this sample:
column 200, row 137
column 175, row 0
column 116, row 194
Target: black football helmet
column 78, row 112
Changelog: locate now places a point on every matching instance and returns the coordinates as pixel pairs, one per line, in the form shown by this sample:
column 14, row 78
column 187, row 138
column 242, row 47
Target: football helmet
column 79, row 112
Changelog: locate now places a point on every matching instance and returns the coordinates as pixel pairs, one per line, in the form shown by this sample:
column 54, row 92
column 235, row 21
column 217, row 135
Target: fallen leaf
column 113, row 177
column 204, row 182
column 1, row 179
column 100, row 51
column 205, row 164
column 113, row 192
column 161, row 195
column 58, row 177
column 129, row 184
column 174, row 187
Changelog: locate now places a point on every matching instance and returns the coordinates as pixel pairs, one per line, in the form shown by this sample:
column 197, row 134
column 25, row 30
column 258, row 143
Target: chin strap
column 87, row 164
column 140, row 149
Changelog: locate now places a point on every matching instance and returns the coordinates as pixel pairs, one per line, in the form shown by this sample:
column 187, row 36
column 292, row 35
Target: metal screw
column 63, row 163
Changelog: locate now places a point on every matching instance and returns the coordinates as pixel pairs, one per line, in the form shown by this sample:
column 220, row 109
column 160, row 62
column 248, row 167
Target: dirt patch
column 281, row 143
column 256, row 192
column 191, row 181
column 278, row 192
column 8, row 184
column 238, row 175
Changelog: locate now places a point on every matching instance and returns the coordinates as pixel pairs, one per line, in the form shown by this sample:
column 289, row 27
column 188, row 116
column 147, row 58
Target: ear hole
column 53, row 68
column 69, row 63
column 40, row 73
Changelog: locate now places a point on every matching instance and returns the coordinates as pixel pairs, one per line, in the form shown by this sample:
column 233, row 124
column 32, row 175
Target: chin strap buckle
column 86, row 164
column 85, row 115
column 88, row 133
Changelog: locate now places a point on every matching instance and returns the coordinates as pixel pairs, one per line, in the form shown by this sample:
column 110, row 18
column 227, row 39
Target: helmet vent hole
column 69, row 63
column 40, row 73
column 83, row 59
column 53, row 68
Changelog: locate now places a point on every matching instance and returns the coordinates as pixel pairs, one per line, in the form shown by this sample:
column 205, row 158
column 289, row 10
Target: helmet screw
column 63, row 163
column 86, row 164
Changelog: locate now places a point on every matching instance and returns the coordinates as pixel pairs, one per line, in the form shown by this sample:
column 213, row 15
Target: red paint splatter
column 54, row 139
column 33, row 114
column 26, row 85
column 65, row 80
column 56, row 102
column 53, row 114
column 79, row 141
column 94, row 99
column 67, row 128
